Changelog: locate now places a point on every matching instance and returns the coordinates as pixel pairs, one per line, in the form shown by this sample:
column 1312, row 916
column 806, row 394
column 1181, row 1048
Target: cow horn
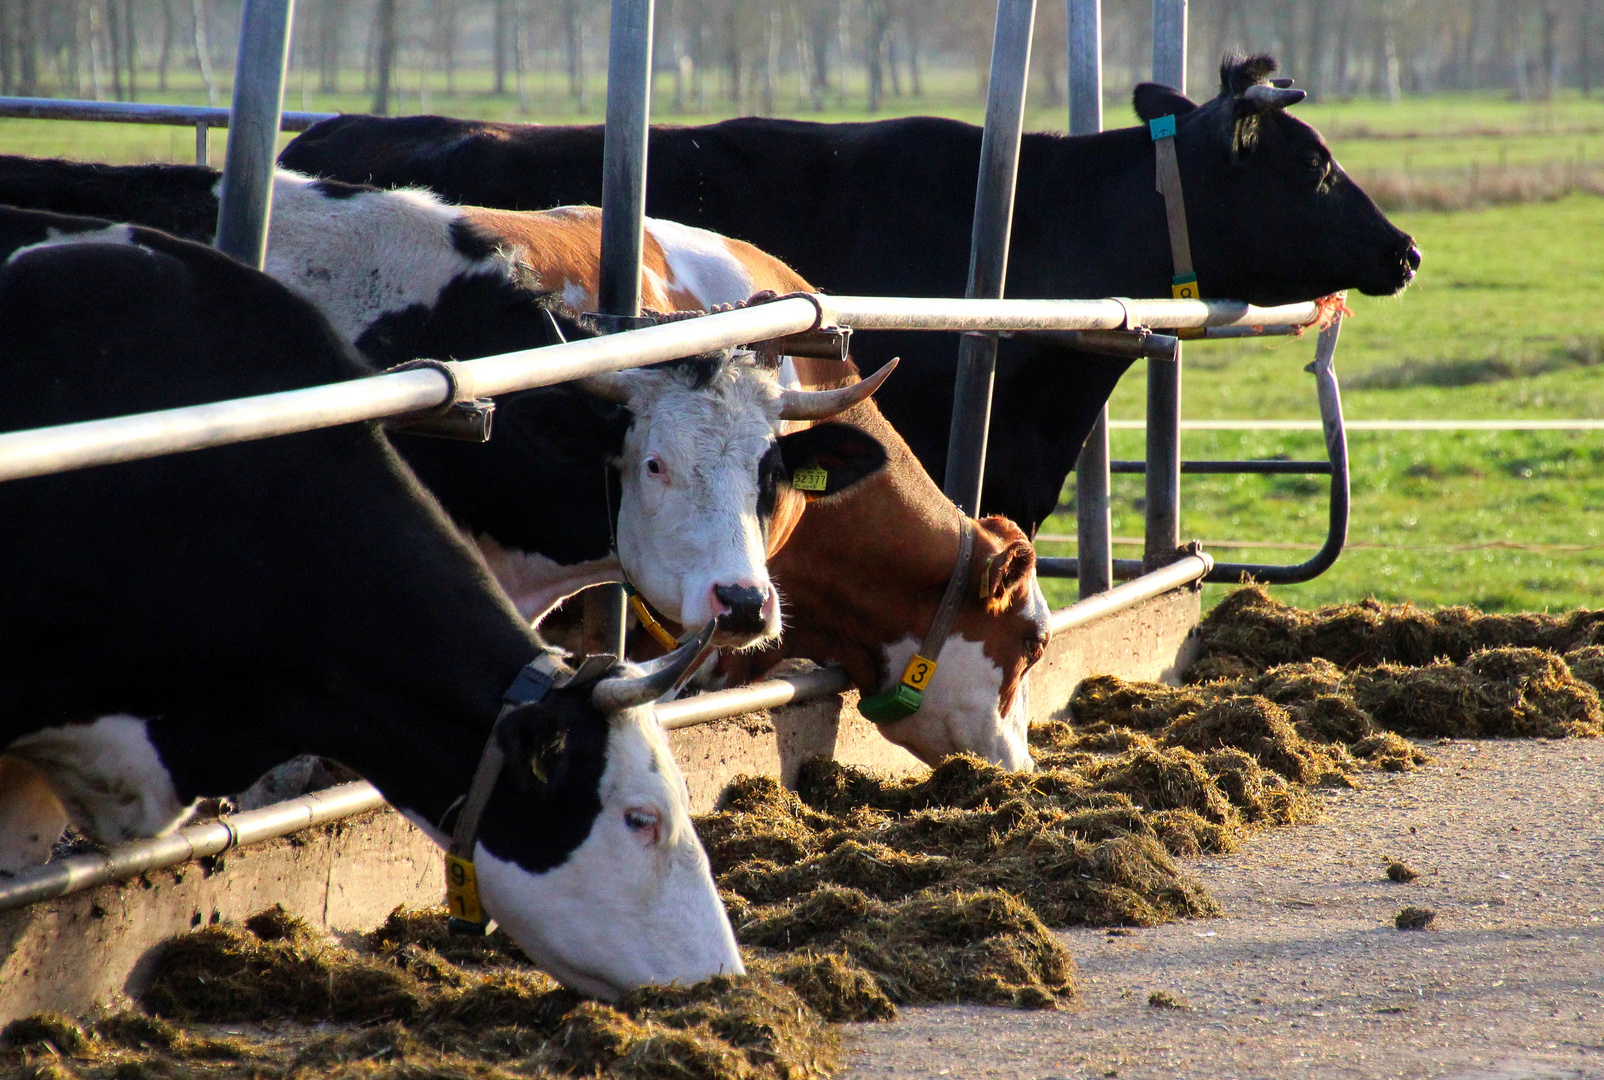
column 658, row 676
column 1272, row 97
column 608, row 386
column 823, row 404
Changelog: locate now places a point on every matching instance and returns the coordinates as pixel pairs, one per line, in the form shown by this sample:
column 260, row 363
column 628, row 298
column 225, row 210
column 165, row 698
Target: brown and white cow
column 861, row 574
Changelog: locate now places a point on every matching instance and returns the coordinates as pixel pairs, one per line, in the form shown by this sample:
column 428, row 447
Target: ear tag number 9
column 810, row 478
column 462, row 891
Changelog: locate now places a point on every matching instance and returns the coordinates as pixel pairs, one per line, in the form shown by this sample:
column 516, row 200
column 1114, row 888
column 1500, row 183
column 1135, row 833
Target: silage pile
column 1372, row 668
column 276, row 1001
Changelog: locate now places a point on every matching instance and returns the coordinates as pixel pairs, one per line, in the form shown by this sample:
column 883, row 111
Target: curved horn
column 823, row 404
column 1272, row 97
column 608, row 386
column 627, row 691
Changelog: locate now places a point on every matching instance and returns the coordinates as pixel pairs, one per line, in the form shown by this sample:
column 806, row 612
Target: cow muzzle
column 742, row 611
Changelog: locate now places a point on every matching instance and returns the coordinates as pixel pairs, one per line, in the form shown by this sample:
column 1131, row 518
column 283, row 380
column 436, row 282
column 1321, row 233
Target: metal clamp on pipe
column 465, row 419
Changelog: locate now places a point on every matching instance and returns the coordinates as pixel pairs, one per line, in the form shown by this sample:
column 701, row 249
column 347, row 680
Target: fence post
column 629, row 95
column 1094, row 547
column 246, row 201
column 988, row 249
column 1163, row 536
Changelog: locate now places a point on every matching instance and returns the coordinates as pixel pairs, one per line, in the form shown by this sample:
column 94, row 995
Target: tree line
column 768, row 56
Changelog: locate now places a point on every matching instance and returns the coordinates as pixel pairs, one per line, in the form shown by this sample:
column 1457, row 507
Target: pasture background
column 1504, row 321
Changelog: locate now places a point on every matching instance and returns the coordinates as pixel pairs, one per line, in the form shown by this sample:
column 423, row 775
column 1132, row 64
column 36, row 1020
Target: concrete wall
column 93, row 950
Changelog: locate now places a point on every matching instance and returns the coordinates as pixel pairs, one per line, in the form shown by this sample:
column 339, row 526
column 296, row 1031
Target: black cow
column 886, row 208
column 401, row 276
column 176, row 626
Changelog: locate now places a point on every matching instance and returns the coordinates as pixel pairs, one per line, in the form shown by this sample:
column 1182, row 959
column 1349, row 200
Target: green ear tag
column 897, row 703
column 810, row 478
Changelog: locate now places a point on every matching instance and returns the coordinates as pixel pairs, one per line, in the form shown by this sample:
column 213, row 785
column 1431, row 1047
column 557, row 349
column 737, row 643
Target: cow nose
column 739, row 608
column 1412, row 257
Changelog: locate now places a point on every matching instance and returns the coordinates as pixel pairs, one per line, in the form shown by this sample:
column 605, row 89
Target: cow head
column 701, row 471
column 1262, row 190
column 586, row 851
column 978, row 701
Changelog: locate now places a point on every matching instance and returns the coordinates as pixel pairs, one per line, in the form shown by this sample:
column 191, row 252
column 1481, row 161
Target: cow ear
column 1153, row 100
column 1003, row 571
column 829, row 458
column 535, row 740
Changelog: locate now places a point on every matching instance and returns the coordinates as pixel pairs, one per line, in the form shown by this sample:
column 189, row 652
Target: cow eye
column 654, row 466
column 645, row 821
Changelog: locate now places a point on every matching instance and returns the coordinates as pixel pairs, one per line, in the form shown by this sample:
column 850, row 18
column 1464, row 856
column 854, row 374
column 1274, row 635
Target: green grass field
column 1504, row 321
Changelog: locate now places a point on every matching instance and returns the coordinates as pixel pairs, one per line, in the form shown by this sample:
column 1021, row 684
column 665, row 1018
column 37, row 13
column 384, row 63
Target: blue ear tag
column 1162, row 128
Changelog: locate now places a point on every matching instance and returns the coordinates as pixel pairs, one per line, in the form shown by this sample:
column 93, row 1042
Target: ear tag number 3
column 810, row 478
column 916, row 676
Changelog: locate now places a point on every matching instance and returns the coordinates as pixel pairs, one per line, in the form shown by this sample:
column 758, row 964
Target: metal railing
column 201, row 117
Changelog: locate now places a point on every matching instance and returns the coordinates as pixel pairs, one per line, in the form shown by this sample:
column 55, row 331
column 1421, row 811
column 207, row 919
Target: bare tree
column 203, row 51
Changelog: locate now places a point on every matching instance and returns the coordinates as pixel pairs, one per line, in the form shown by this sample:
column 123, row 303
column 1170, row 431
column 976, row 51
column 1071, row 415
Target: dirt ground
column 1306, row 976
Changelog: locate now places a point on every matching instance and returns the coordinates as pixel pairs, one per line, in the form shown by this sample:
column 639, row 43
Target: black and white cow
column 667, row 477
column 885, row 208
column 174, row 627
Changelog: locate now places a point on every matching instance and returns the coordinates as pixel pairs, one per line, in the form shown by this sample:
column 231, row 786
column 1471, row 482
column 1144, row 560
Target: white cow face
column 699, row 473
column 587, row 855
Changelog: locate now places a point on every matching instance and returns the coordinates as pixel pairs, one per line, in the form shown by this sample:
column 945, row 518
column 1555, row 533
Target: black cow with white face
column 886, row 208
column 175, row 627
column 667, row 477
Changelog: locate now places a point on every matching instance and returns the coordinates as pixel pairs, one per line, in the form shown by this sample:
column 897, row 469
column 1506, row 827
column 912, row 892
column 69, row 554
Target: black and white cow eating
column 666, row 477
column 175, row 627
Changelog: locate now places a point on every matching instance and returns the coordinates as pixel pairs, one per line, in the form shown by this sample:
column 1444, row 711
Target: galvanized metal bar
column 1330, row 394
column 246, row 199
column 1163, row 527
column 769, row 694
column 1183, row 571
column 1219, row 467
column 1060, row 567
column 74, row 446
column 1085, row 66
column 79, row 872
column 1092, row 515
column 131, row 438
column 988, row 248
column 1169, row 43
column 629, row 85
column 134, row 112
column 203, row 155
column 934, row 313
column 629, row 94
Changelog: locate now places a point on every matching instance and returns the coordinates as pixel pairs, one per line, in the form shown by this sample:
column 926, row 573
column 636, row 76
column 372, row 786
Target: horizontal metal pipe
column 1230, row 467
column 131, row 438
column 1140, row 344
column 1277, row 330
column 80, row 872
column 1184, row 571
column 1059, row 567
column 96, row 442
column 929, row 313
column 770, row 694
column 133, row 112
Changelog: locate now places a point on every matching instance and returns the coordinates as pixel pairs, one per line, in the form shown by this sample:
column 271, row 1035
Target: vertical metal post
column 1169, row 43
column 629, row 93
column 988, row 249
column 246, row 201
column 1163, row 535
column 1094, row 547
column 202, row 150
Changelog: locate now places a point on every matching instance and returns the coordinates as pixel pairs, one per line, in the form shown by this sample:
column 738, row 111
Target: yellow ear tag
column 810, row 478
column 462, row 891
column 917, row 675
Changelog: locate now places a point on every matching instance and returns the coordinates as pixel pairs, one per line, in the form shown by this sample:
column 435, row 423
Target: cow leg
column 31, row 817
column 108, row 776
